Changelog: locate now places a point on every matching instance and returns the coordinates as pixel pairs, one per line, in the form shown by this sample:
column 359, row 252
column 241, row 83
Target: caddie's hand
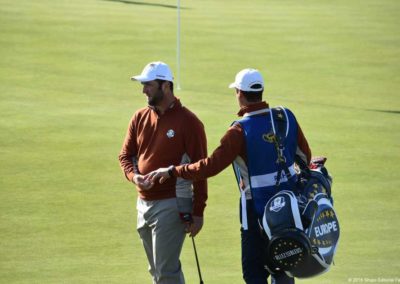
column 194, row 228
column 161, row 175
column 142, row 182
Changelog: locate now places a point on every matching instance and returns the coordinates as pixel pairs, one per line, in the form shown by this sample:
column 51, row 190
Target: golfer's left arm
column 196, row 145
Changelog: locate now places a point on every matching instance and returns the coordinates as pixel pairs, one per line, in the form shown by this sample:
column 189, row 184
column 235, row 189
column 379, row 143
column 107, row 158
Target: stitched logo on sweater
column 170, row 133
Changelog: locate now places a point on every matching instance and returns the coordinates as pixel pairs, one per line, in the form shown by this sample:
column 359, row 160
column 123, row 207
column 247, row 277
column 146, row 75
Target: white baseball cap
column 153, row 71
column 248, row 80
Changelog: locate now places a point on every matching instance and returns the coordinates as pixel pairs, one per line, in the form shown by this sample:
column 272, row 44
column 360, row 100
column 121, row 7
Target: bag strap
column 280, row 128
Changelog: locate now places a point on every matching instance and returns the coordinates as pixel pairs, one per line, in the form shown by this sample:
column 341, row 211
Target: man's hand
column 162, row 174
column 142, row 182
column 194, row 227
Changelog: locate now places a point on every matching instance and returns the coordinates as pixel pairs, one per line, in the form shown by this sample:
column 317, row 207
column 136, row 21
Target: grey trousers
column 162, row 234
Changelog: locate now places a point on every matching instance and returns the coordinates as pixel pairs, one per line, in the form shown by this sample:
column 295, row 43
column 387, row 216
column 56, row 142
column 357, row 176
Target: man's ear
column 165, row 86
column 241, row 97
column 239, row 93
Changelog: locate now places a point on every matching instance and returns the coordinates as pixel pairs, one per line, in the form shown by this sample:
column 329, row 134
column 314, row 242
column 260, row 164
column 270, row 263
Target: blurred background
column 67, row 213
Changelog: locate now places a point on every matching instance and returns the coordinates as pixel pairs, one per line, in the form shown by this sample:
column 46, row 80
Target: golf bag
column 303, row 230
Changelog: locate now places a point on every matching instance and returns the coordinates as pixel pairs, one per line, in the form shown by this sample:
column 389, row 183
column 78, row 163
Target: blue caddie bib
column 262, row 166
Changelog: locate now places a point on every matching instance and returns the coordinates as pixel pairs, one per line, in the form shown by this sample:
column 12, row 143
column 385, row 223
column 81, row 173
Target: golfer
column 247, row 146
column 161, row 134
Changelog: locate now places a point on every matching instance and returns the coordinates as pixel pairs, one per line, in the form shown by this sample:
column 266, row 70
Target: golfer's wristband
column 171, row 171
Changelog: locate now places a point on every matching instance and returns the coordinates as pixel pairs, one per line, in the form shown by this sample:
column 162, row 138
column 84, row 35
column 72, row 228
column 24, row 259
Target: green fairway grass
column 67, row 213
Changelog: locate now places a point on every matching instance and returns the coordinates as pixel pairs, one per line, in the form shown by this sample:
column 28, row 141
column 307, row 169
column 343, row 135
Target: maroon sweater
column 154, row 141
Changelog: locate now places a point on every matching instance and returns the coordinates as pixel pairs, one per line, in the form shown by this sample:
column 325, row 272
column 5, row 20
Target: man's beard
column 156, row 98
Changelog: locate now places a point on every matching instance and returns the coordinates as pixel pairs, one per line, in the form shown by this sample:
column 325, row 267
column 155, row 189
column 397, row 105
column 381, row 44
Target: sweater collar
column 173, row 106
column 252, row 108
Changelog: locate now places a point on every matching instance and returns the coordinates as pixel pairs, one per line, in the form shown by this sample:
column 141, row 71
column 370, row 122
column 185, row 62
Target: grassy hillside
column 68, row 215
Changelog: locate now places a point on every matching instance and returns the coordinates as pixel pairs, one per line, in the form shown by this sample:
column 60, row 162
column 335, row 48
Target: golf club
column 197, row 261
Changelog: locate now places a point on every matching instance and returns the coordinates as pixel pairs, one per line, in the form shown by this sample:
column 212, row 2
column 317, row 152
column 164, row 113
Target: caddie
column 249, row 146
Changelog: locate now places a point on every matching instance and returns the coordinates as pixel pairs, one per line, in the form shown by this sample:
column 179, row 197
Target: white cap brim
column 232, row 85
column 140, row 78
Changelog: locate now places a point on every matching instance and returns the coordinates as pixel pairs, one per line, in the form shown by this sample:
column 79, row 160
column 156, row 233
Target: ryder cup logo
column 277, row 204
column 170, row 133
